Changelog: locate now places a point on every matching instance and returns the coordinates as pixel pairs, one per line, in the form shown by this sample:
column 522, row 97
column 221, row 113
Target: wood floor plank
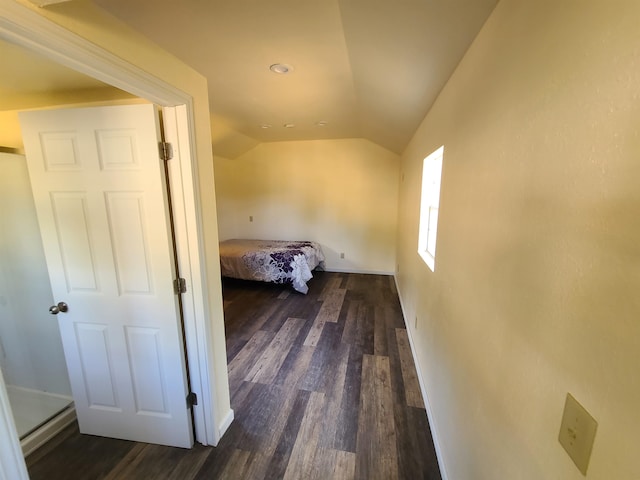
column 365, row 329
column 260, row 426
column 351, row 322
column 345, row 468
column 417, row 436
column 247, row 309
column 295, row 366
column 170, row 463
column 304, row 450
column 66, row 434
column 190, row 463
column 128, row 463
column 332, row 305
column 366, row 421
column 412, row 391
column 149, row 462
column 347, row 422
column 334, row 282
column 282, row 453
column 376, row 447
column 334, row 390
column 352, row 282
column 244, row 361
column 315, row 332
column 271, row 433
column 408, row 423
column 284, row 295
column 319, row 367
column 380, row 344
column 329, row 312
column 258, row 322
column 385, row 425
column 267, row 366
column 257, row 465
column 236, row 465
column 233, row 348
column 98, row 457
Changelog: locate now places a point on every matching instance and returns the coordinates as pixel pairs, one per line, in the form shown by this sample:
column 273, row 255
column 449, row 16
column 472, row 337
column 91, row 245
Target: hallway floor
column 322, row 385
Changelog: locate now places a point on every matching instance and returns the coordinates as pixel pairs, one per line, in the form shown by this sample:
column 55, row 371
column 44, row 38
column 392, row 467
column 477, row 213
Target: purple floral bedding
column 277, row 261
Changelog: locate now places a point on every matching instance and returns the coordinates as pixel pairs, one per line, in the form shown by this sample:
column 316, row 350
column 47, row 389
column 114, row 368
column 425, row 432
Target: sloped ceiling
column 368, row 68
column 29, row 80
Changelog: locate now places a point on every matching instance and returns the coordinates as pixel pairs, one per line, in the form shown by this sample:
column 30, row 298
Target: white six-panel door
column 98, row 188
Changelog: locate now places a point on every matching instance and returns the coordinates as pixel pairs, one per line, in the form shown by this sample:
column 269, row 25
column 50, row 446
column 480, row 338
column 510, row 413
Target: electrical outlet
column 342, row 255
column 577, row 433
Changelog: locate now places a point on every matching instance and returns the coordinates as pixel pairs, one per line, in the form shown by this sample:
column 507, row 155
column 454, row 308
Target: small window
column 430, row 201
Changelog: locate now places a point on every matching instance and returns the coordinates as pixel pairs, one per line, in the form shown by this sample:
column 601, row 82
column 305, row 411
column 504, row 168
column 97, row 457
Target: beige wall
column 341, row 193
column 537, row 281
column 10, row 133
column 88, row 21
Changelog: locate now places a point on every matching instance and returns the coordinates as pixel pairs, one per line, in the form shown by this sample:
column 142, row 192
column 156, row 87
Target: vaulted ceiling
column 359, row 68
column 368, row 68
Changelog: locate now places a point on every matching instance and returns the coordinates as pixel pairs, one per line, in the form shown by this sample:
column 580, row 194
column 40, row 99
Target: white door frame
column 11, row 459
column 21, row 26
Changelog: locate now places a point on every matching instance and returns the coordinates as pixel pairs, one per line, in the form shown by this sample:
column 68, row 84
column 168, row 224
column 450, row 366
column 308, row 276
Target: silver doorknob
column 60, row 307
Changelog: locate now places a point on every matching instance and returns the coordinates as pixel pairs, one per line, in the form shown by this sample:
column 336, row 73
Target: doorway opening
column 31, row 355
column 28, row 29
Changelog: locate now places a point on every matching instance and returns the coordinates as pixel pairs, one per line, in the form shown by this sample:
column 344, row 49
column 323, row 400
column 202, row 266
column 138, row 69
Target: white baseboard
column 350, row 270
column 425, row 397
column 45, row 433
column 226, row 423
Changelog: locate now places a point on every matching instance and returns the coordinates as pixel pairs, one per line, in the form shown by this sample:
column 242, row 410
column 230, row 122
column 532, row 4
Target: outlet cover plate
column 577, row 433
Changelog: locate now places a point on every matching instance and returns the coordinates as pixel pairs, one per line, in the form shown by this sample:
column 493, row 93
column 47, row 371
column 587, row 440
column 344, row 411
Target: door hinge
column 180, row 286
column 192, row 399
column 166, row 151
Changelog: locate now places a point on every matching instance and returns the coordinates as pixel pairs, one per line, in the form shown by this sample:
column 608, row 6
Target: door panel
column 71, row 223
column 129, row 239
column 98, row 189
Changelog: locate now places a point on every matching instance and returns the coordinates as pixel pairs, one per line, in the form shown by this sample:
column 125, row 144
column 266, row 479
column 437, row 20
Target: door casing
column 19, row 25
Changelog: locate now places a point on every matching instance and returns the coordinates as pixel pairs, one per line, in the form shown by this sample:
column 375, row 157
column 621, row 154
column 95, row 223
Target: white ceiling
column 369, row 68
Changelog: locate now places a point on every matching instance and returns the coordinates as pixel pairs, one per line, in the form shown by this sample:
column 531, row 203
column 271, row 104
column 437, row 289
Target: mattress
column 277, row 261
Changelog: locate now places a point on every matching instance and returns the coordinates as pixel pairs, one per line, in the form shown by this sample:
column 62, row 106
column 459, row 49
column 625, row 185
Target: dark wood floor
column 323, row 386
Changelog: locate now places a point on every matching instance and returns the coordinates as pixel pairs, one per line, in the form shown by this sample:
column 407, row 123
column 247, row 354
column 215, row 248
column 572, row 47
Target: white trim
column 45, row 433
column 176, row 130
column 364, row 272
column 423, row 390
column 226, row 421
column 429, row 203
column 21, row 26
column 12, row 464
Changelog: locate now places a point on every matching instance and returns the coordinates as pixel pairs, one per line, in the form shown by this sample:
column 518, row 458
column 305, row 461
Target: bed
column 277, row 261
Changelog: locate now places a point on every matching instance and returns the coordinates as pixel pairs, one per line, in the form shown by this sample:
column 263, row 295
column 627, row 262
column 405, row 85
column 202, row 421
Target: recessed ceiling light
column 289, row 125
column 322, row 123
column 265, row 125
column 281, row 68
